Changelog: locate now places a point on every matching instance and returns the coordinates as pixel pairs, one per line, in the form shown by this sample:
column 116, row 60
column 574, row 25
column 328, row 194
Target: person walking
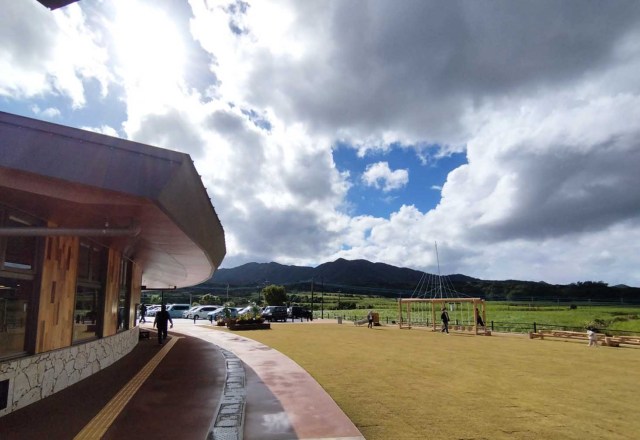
column 370, row 319
column 479, row 320
column 162, row 318
column 444, row 316
column 593, row 337
column 143, row 313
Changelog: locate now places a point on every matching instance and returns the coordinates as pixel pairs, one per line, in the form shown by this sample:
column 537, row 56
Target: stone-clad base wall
column 36, row 377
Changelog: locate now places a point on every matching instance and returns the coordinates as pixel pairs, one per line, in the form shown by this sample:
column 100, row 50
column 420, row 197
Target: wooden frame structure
column 435, row 302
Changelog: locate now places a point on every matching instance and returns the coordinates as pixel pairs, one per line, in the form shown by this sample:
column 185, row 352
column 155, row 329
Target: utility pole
column 312, row 279
column 322, row 300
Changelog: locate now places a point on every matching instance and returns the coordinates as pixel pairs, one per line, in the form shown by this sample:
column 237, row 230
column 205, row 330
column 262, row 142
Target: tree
column 209, row 299
column 274, row 295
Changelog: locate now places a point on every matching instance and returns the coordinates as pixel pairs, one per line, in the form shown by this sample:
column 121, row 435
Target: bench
column 615, row 341
column 565, row 334
column 611, row 341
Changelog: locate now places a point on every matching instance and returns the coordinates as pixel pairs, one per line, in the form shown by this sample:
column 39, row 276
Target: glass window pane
column 20, row 251
column 86, row 313
column 124, row 295
column 14, row 299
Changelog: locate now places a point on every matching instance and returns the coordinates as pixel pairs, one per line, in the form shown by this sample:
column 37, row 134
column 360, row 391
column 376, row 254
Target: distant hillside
column 355, row 273
column 365, row 277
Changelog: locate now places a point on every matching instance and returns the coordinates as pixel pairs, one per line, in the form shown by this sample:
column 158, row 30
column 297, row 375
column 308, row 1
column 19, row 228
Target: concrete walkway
column 283, row 401
column 202, row 384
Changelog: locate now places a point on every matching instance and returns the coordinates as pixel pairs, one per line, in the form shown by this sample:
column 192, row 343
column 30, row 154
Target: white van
column 175, row 310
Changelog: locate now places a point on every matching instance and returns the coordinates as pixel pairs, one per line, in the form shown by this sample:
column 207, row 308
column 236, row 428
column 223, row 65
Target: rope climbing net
column 435, row 294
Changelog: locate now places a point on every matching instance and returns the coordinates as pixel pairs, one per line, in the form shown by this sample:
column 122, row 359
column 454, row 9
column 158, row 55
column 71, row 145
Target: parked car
column 201, row 312
column 185, row 314
column 275, row 313
column 151, row 310
column 294, row 312
column 220, row 313
column 175, row 310
column 248, row 310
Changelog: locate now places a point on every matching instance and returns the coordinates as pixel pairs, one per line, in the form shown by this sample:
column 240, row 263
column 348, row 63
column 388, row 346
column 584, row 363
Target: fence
column 494, row 326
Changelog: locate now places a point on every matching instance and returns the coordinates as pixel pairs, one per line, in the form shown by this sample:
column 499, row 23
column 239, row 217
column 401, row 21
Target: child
column 593, row 338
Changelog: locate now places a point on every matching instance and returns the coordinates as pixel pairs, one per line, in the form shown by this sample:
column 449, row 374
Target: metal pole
column 322, row 301
column 59, row 232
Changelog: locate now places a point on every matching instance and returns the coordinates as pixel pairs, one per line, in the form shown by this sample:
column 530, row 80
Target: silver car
column 201, row 312
column 220, row 313
column 185, row 314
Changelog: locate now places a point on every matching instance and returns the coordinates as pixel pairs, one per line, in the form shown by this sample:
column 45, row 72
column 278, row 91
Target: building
column 87, row 220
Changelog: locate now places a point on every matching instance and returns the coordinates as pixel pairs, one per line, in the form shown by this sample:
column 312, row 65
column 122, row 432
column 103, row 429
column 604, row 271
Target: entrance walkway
column 283, row 400
column 199, row 385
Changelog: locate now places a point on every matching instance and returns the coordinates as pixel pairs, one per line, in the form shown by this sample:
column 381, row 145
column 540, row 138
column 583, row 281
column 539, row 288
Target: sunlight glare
column 148, row 44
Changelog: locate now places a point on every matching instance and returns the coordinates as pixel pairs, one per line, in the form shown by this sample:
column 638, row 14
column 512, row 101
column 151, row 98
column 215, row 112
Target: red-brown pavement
column 283, row 400
column 183, row 395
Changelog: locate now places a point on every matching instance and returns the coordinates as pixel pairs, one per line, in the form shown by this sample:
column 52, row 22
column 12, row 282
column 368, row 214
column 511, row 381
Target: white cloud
column 49, row 112
column 49, row 53
column 541, row 95
column 380, row 176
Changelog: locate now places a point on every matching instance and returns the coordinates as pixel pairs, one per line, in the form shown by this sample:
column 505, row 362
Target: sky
column 507, row 133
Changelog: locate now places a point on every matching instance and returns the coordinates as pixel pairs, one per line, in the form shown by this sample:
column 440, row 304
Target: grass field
column 417, row 384
column 612, row 317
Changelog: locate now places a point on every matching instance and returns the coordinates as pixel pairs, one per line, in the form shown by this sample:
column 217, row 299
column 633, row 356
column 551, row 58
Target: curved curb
column 228, row 424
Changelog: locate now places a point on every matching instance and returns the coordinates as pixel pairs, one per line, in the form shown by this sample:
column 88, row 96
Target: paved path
column 283, row 401
column 202, row 384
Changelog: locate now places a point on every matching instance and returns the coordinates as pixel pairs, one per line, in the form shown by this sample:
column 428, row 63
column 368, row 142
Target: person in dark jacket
column 445, row 320
column 162, row 318
column 143, row 313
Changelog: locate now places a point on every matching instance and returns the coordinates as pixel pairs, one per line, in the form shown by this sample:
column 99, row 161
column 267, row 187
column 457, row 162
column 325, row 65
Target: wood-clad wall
column 112, row 288
column 57, row 293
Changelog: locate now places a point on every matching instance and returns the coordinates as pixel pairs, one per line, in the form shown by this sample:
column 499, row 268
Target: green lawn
column 417, row 384
column 613, row 317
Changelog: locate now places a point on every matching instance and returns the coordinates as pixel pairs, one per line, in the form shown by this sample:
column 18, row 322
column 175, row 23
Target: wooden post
column 433, row 316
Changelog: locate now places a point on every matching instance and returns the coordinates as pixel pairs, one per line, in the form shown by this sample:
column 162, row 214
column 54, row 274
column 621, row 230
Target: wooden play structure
column 425, row 312
column 431, row 295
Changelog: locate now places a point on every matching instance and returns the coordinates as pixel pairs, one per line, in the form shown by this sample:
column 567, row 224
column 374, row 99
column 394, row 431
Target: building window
column 124, row 294
column 14, row 306
column 17, row 253
column 17, row 274
column 89, row 303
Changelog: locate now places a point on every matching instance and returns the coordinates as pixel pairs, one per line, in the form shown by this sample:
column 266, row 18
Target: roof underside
column 55, row 4
column 78, row 179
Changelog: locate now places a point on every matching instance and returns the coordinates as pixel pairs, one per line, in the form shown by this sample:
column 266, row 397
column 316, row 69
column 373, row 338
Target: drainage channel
column 228, row 424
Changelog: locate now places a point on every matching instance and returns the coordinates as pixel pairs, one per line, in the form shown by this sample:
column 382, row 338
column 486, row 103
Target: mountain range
column 354, row 273
column 365, row 277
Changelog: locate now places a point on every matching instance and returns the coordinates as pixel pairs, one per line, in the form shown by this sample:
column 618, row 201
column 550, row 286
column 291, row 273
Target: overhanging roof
column 55, row 4
column 79, row 179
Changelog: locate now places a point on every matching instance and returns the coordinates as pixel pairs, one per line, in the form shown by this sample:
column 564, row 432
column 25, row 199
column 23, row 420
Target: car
column 221, row 313
column 201, row 312
column 275, row 313
column 175, row 310
column 248, row 310
column 294, row 312
column 152, row 310
column 185, row 314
